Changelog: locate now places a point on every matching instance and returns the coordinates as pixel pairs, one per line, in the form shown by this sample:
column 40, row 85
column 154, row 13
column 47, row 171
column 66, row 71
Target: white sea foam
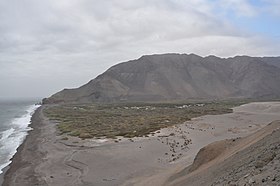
column 12, row 138
column 2, row 166
column 5, row 134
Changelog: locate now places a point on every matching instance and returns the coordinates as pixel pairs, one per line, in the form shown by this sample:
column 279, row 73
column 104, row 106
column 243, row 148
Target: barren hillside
column 253, row 160
column 169, row 77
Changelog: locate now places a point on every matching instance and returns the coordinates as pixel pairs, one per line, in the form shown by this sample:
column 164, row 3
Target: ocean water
column 15, row 116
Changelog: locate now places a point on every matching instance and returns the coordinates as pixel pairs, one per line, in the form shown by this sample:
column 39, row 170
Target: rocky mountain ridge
column 170, row 77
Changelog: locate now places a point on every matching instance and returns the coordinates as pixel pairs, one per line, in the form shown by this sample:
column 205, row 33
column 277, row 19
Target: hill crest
column 169, row 77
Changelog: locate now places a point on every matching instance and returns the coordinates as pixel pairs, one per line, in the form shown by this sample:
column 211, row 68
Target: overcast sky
column 48, row 45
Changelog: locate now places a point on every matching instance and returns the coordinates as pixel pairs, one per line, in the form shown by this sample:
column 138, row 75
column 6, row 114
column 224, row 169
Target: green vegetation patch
column 128, row 120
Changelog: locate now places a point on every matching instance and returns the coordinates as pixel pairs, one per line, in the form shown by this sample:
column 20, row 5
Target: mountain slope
column 252, row 160
column 179, row 77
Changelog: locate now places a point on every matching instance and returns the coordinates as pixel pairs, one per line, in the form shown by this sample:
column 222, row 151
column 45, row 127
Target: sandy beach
column 46, row 159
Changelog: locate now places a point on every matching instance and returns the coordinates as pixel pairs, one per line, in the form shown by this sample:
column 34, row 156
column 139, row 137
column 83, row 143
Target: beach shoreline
column 2, row 174
column 45, row 159
column 29, row 145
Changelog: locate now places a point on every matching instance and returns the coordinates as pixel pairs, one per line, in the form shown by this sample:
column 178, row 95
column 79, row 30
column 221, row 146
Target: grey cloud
column 54, row 44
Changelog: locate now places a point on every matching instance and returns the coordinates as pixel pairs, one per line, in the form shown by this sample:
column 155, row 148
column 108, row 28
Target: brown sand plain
column 46, row 159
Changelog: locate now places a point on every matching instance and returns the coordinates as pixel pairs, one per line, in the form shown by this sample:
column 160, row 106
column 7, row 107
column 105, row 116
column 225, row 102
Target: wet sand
column 2, row 174
column 46, row 159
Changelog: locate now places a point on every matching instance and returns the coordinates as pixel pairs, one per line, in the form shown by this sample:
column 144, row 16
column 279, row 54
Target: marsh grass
column 128, row 120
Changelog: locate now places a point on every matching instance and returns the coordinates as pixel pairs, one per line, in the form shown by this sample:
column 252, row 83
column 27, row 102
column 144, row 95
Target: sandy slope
column 204, row 130
column 252, row 160
column 46, row 159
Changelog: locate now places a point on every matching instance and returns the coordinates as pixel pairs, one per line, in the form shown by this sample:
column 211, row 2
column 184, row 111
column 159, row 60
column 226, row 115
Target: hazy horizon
column 51, row 45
